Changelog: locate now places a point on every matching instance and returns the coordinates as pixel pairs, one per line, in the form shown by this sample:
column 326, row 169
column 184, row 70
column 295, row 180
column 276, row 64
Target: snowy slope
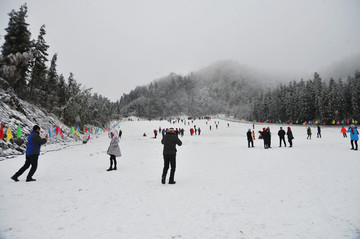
column 15, row 112
column 223, row 189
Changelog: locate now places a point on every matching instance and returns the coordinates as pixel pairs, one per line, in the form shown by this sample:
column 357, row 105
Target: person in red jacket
column 343, row 131
column 155, row 133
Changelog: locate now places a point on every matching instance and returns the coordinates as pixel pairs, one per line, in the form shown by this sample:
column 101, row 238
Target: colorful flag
column 1, row 131
column 8, row 134
column 72, row 130
column 18, row 132
column 297, row 121
column 49, row 132
column 356, row 121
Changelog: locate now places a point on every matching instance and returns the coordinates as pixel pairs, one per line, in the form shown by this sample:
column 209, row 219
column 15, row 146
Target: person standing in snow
column 290, row 136
column 318, row 131
column 113, row 150
column 170, row 140
column 281, row 134
column 343, row 131
column 269, row 136
column 354, row 137
column 32, row 154
column 250, row 138
column 308, row 133
column 155, row 133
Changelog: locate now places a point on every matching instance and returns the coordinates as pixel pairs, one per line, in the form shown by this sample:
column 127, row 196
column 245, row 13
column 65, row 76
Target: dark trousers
column 169, row 160
column 31, row 160
column 250, row 141
column 112, row 161
column 282, row 139
column 352, row 144
column 290, row 142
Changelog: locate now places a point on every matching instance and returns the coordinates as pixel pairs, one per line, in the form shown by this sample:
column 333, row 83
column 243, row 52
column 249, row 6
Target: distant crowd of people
column 170, row 138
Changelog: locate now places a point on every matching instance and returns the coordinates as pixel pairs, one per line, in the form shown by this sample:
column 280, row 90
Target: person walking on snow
column 354, row 137
column 250, row 138
column 32, row 154
column 308, row 133
column 281, row 134
column 318, row 131
column 113, row 150
column 290, row 136
column 170, row 140
column 343, row 131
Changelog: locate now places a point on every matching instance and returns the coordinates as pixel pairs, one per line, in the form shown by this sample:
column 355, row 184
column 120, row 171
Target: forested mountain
column 23, row 67
column 229, row 88
column 224, row 87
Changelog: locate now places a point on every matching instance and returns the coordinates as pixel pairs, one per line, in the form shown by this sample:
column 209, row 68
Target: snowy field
column 223, row 190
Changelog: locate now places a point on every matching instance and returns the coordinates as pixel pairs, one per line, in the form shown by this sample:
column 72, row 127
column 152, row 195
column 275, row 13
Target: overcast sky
column 115, row 45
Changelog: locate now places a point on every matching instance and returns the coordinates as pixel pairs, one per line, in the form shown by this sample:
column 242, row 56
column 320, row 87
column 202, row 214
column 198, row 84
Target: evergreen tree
column 38, row 66
column 16, row 51
column 51, row 85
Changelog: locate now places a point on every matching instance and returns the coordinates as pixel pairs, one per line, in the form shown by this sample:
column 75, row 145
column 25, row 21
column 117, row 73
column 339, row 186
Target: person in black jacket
column 32, row 154
column 249, row 138
column 290, row 136
column 281, row 134
column 266, row 138
column 170, row 140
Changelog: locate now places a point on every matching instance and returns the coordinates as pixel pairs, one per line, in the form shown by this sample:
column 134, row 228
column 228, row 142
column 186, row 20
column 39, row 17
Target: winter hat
column 171, row 131
column 289, row 128
column 264, row 129
column 352, row 126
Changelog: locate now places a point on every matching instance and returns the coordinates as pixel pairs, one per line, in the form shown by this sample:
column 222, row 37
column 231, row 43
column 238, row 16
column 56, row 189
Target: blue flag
column 49, row 132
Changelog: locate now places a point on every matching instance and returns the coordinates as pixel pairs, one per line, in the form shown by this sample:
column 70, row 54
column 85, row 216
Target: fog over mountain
column 235, row 89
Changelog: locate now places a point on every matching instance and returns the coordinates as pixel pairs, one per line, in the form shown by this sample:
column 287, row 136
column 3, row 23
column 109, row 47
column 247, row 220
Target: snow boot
column 15, row 178
column 163, row 180
column 110, row 169
column 115, row 168
column 30, row 179
column 172, row 182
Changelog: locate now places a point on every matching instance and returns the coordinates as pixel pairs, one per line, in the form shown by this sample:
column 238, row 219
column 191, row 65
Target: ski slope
column 223, row 190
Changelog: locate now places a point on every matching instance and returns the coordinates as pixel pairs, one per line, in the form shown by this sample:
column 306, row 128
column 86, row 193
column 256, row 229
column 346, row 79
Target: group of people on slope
column 265, row 134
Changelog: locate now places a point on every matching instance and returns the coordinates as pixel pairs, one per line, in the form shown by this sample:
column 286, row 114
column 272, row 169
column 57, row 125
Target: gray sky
column 116, row 45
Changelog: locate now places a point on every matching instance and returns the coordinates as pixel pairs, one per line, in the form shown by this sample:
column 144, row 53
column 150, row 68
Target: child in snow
column 343, row 131
column 113, row 150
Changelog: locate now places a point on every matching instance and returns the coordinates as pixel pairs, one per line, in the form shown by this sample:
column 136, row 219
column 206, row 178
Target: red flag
column 1, row 131
column 57, row 130
column 85, row 129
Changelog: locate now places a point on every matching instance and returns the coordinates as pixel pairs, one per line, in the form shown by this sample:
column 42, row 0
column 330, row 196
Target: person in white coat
column 113, row 150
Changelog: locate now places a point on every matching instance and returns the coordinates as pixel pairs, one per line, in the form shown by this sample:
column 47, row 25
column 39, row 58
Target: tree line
column 231, row 94
column 24, row 70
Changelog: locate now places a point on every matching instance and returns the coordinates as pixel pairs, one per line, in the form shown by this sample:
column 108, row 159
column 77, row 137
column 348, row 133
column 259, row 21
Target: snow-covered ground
column 223, row 189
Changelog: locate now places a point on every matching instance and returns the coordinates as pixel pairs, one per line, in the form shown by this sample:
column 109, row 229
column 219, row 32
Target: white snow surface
column 223, row 190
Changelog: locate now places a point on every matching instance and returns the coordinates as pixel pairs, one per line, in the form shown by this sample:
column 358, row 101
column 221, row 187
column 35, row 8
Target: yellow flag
column 353, row 120
column 8, row 134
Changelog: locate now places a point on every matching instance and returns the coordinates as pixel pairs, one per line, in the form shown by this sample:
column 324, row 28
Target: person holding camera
column 32, row 154
column 354, row 137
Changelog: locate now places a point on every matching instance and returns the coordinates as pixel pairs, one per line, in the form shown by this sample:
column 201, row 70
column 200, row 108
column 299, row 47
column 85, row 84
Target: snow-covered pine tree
column 37, row 79
column 16, row 51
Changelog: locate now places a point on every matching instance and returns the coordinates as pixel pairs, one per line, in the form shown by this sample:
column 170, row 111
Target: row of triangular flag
column 56, row 131
column 8, row 133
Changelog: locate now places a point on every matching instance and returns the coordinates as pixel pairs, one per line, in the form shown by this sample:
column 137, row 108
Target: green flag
column 18, row 132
